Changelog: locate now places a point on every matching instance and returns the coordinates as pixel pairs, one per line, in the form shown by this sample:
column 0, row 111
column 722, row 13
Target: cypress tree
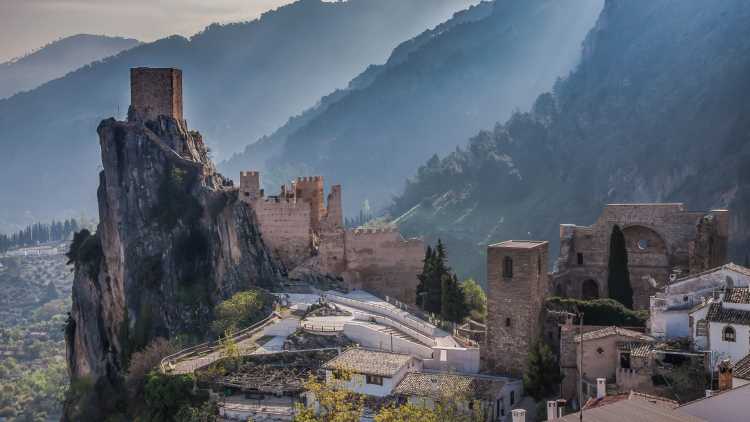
column 424, row 277
column 619, row 276
column 453, row 299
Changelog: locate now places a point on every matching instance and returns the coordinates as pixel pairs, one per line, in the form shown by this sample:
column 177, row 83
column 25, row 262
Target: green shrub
column 239, row 311
column 165, row 395
column 600, row 311
column 86, row 251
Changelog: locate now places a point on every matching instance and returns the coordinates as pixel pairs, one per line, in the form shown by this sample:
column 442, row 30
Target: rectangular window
column 580, row 258
column 374, row 379
column 508, row 267
column 701, row 328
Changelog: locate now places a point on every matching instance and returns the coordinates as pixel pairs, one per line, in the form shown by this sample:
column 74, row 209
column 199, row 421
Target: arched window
column 508, row 267
column 729, row 334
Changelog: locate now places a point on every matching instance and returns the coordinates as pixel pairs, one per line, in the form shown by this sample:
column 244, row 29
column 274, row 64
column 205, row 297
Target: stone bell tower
column 517, row 285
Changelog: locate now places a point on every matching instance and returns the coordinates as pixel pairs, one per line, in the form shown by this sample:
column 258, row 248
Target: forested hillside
column 437, row 90
column 241, row 81
column 657, row 111
column 56, row 59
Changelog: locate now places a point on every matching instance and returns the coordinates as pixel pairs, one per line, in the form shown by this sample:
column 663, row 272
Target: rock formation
column 173, row 240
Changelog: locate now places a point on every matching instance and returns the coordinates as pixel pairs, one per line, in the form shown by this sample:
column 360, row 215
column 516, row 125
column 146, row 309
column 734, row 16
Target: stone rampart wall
column 285, row 227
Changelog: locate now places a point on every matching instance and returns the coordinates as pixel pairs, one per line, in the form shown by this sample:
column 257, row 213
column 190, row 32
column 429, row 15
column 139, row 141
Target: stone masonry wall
column 660, row 238
column 514, row 304
column 382, row 261
column 285, row 227
column 155, row 92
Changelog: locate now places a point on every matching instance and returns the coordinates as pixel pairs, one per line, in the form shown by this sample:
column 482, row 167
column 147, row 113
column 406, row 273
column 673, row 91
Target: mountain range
column 435, row 91
column 241, row 81
column 655, row 112
column 56, row 59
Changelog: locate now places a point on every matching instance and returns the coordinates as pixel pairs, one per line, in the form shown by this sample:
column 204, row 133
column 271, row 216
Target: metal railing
column 209, row 347
column 387, row 311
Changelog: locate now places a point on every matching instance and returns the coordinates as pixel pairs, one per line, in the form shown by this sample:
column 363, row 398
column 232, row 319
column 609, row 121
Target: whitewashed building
column 670, row 309
column 722, row 325
column 369, row 372
column 497, row 395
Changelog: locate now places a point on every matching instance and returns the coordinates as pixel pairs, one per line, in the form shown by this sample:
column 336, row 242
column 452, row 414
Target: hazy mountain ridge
column 240, row 81
column 459, row 81
column 57, row 59
column 256, row 154
column 654, row 113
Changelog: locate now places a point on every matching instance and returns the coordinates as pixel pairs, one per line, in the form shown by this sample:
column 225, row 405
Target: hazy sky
column 28, row 24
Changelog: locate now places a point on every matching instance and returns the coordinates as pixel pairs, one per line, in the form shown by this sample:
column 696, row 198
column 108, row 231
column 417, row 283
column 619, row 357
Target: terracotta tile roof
column 741, row 369
column 613, row 331
column 369, row 362
column 731, row 267
column 737, row 295
column 636, row 349
column 442, row 385
column 718, row 313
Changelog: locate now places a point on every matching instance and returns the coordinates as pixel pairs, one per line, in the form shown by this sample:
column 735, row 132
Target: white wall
column 457, row 359
column 733, row 350
column 375, row 339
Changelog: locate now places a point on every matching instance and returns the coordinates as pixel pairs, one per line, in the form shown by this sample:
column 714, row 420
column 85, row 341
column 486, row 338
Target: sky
column 26, row 25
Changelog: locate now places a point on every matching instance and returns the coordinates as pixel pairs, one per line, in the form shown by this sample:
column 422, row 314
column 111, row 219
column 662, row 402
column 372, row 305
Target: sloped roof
column 613, row 331
column 737, row 295
column 741, row 369
column 636, row 349
column 631, row 409
column 442, row 385
column 369, row 362
column 718, row 313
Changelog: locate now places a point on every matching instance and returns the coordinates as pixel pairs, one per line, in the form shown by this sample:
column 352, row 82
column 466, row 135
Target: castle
column 155, row 92
column 304, row 229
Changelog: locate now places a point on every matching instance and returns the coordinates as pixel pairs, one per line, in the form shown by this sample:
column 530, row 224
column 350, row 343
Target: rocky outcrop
column 173, row 240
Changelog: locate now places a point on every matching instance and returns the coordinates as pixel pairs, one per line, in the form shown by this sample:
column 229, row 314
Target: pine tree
column 453, row 299
column 542, row 376
column 619, row 276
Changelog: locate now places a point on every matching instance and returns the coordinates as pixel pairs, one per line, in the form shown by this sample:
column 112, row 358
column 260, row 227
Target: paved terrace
column 373, row 323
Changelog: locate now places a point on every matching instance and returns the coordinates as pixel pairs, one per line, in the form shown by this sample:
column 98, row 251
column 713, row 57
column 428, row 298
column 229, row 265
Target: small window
column 374, row 379
column 580, row 258
column 643, row 244
column 508, row 267
column 507, row 322
column 512, row 397
column 599, row 350
column 539, row 264
column 701, row 328
column 729, row 335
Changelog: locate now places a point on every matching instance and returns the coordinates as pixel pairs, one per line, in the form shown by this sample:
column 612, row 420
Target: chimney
column 519, row 415
column 551, row 410
column 709, row 393
column 561, row 403
column 725, row 375
column 601, row 388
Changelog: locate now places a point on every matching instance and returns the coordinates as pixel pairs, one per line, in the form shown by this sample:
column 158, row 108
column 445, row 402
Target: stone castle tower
column 155, row 92
column 517, row 284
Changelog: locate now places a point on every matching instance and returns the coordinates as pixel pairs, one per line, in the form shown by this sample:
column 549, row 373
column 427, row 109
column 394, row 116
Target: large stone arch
column 590, row 289
column 649, row 261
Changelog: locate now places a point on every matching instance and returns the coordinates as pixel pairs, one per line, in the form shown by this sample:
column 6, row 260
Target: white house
column 722, row 325
column 497, row 395
column 670, row 309
column 369, row 372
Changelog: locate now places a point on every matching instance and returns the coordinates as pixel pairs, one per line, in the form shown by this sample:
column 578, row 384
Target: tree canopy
column 619, row 276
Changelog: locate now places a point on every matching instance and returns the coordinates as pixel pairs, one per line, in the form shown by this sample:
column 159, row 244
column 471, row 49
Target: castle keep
column 156, row 92
column 304, row 229
column 661, row 239
column 517, row 285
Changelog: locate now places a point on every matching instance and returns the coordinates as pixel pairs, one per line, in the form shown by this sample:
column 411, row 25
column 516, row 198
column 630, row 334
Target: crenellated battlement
column 249, row 174
column 372, row 231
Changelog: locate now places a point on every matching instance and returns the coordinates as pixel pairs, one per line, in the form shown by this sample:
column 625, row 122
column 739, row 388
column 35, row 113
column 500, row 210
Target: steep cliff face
column 173, row 240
